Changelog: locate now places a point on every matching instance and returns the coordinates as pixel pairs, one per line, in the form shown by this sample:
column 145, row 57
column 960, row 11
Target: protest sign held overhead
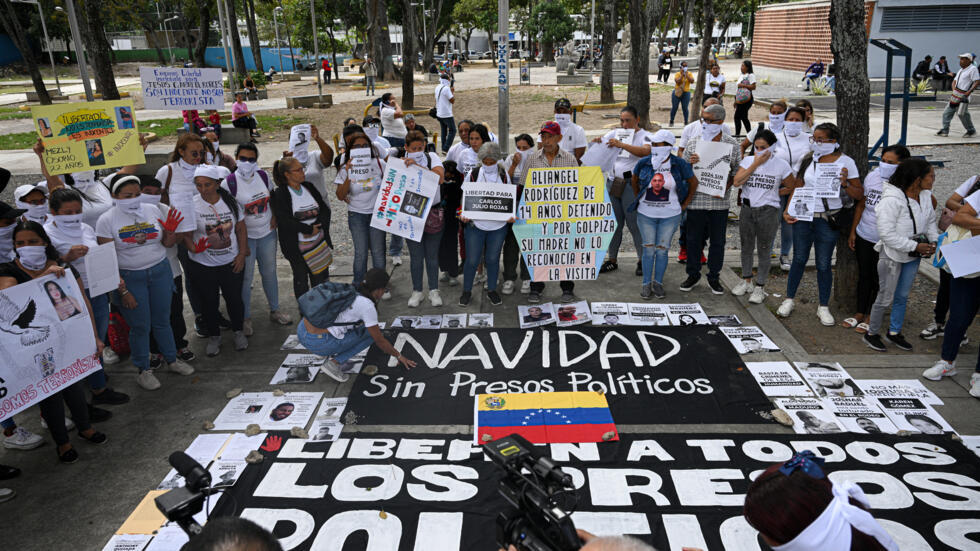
column 488, row 201
column 405, row 199
column 564, row 223
column 179, row 89
column 88, row 136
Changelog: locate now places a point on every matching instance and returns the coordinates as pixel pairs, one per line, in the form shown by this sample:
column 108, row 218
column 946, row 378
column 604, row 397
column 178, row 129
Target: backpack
column 323, row 303
column 233, row 182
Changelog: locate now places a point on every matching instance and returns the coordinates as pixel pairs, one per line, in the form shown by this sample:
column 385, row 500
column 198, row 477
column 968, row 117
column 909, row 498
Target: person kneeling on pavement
column 340, row 321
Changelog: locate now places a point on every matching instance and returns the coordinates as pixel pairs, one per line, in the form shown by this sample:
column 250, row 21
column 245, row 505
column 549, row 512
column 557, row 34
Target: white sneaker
column 148, row 380
column 825, row 316
column 507, row 288
column 332, row 369
column 743, row 287
column 180, row 366
column 786, row 308
column 435, row 297
column 387, row 295
column 415, row 299
column 22, row 439
column 975, row 385
column 280, row 317
column 525, row 287
column 452, row 281
column 941, row 369
column 444, row 276
column 69, row 424
column 109, row 356
column 758, row 295
column 396, row 260
column 6, row 494
column 481, row 277
column 247, row 327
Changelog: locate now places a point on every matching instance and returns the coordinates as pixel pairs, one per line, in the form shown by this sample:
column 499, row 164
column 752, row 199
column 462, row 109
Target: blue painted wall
column 215, row 57
column 8, row 52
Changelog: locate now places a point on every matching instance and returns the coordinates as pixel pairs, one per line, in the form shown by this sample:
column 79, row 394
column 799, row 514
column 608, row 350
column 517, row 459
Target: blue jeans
column 683, row 102
column 785, row 229
column 152, row 288
column 425, row 257
column 368, row 85
column 327, row 345
column 962, row 311
column 623, row 218
column 657, row 234
column 100, row 314
column 395, row 245
column 447, row 127
column 822, row 239
column 485, row 246
column 395, row 142
column 894, row 284
column 366, row 239
column 263, row 250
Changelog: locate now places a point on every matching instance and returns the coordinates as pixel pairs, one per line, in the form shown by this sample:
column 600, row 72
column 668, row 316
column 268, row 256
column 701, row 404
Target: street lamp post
column 275, row 23
column 167, row 35
column 79, row 52
column 44, row 29
column 425, row 33
column 316, row 56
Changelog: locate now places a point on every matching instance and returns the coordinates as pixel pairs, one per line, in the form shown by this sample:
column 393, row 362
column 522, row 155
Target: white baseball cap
column 664, row 136
column 967, row 55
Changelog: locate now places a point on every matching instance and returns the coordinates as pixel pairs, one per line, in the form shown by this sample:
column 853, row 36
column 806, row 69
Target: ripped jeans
column 657, row 233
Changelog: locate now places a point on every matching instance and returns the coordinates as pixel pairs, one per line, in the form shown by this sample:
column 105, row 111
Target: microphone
column 196, row 476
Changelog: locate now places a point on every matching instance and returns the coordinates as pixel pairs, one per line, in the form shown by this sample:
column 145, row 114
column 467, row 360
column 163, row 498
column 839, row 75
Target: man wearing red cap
column 551, row 155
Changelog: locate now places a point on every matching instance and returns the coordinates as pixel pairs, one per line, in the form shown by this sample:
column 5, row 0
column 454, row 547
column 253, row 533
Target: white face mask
column 133, row 205
column 371, row 132
column 246, row 169
column 208, row 158
column 148, row 199
column 563, row 119
column 886, row 169
column 187, row 168
column 793, row 128
column 84, row 180
column 215, row 146
column 821, row 149
column 418, row 157
column 776, row 122
column 33, row 257
column 71, row 224
column 35, row 213
column 710, row 130
column 659, row 154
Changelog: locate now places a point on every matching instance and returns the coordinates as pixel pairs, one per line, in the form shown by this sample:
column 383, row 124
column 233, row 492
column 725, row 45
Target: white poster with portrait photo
column 860, row 414
column 297, row 368
column 575, row 313
column 406, row 322
column 914, row 415
column 749, row 339
column 453, row 321
column 325, row 431
column 642, row 313
column 270, row 412
column 828, row 379
column 778, row 379
column 726, row 320
column 536, row 315
column 226, row 473
column 610, row 313
column 687, row 314
column 405, row 198
column 809, row 415
column 480, row 320
column 802, row 203
column 299, row 140
column 331, row 409
column 898, row 388
column 430, row 321
column 827, row 180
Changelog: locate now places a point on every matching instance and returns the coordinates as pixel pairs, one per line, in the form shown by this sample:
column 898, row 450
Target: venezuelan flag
column 544, row 418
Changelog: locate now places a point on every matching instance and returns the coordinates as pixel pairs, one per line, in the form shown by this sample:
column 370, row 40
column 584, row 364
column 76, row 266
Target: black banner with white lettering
column 653, row 375
column 382, row 492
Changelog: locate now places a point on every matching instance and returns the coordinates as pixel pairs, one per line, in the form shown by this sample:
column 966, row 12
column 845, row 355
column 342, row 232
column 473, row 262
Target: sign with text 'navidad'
column 178, row 88
column 564, row 223
column 88, row 136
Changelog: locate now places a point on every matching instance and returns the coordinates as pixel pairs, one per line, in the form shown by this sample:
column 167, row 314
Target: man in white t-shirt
column 964, row 83
column 445, row 98
column 572, row 135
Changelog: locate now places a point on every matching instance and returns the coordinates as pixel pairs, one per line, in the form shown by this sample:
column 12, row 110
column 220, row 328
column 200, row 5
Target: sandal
column 850, row 323
column 608, row 266
column 862, row 328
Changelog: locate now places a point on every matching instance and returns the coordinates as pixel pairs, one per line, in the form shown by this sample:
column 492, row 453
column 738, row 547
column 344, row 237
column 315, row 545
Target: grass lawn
column 11, row 113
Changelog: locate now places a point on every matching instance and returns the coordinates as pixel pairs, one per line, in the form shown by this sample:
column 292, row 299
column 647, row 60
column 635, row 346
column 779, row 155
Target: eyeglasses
column 822, row 140
column 195, row 153
column 711, row 121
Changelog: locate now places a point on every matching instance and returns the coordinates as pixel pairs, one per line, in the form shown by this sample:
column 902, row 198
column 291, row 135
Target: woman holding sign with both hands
column 425, row 252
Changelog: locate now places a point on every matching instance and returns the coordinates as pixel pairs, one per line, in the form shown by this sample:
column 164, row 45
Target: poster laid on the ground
column 894, row 388
column 543, row 417
column 487, row 201
column 801, row 204
column 268, row 411
column 713, row 166
column 574, row 313
column 180, row 88
column 46, row 340
column 331, row 409
column 687, row 314
column 239, row 445
column 226, row 473
column 326, row 431
column 430, row 321
column 860, row 414
column 88, row 136
column 405, row 199
column 128, row 542
column 672, row 374
column 725, row 320
column 828, row 379
column 439, row 492
column 297, row 368
column 536, row 315
column 610, row 313
column 480, row 320
column 205, row 447
column 913, row 415
column 406, row 322
column 778, row 379
column 749, row 339
column 564, row 223
column 453, row 321
column 644, row 313
column 810, row 415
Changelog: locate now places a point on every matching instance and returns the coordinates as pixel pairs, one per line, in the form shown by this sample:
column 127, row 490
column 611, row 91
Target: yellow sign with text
column 88, row 136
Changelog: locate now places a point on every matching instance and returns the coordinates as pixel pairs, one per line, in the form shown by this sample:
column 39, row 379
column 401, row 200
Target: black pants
column 662, row 75
column 867, row 287
column 303, row 278
column 512, row 256
column 212, row 282
column 244, row 122
column 566, row 286
column 704, row 226
column 742, row 116
column 326, row 76
column 53, row 412
column 193, row 296
column 942, row 297
column 177, row 323
column 449, row 246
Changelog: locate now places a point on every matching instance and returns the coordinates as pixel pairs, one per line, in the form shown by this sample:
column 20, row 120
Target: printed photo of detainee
column 96, row 156
column 45, row 128
column 282, row 411
column 64, row 305
column 414, row 204
column 124, row 118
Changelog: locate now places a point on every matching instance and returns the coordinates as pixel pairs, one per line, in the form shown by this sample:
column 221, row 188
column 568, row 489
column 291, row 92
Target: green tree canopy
column 550, row 20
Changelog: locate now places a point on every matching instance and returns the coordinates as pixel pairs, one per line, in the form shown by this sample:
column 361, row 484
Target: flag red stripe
column 551, row 434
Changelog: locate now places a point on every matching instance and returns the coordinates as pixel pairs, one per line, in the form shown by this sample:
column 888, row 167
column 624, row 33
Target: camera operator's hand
column 586, row 537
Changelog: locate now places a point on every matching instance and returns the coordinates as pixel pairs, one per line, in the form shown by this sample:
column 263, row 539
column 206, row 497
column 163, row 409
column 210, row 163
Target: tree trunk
column 671, row 12
column 151, row 38
column 548, row 55
column 408, row 56
column 236, row 42
column 253, row 34
column 13, row 28
column 849, row 44
column 98, row 49
column 684, row 36
column 333, row 52
column 643, row 20
column 608, row 43
column 203, row 33
column 707, row 28
column 187, row 35
column 289, row 41
column 379, row 39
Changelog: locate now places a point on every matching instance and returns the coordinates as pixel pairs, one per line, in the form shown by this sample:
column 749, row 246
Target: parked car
column 486, row 55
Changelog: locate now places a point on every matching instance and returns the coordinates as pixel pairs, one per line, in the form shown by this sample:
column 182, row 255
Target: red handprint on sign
column 272, row 443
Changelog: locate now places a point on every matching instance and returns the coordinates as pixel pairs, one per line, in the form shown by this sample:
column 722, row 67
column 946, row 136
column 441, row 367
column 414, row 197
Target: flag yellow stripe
column 544, row 400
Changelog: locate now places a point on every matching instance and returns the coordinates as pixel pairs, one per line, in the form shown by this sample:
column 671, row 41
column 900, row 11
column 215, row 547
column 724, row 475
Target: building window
column 931, row 18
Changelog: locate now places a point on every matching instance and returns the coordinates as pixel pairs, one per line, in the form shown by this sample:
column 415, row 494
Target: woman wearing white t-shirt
column 392, row 121
column 864, row 234
column 714, row 84
column 485, row 238
column 251, row 187
column 744, row 97
column 776, row 124
column 792, row 145
column 425, row 252
column 762, row 178
column 141, row 238
column 840, row 180
column 463, row 130
column 358, row 182
column 218, row 249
